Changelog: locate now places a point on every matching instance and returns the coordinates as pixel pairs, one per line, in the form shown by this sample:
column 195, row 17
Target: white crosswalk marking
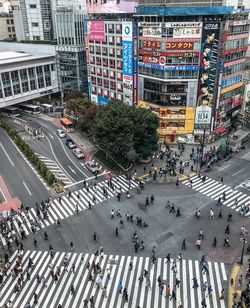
column 54, row 293
column 234, row 199
column 56, row 170
column 60, row 211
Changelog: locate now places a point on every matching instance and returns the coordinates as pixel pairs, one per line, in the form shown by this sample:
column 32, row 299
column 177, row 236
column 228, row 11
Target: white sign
column 94, row 99
column 186, row 32
column 203, row 115
column 127, row 31
column 183, row 24
column 152, row 31
column 127, row 84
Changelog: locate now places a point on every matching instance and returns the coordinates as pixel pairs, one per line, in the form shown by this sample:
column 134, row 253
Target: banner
column 180, row 45
column 186, row 32
column 183, row 54
column 170, row 68
column 207, row 75
column 96, row 31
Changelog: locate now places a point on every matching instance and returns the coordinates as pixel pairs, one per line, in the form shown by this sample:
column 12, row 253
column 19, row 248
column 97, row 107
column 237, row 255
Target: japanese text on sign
column 151, row 44
column 127, row 57
column 180, row 45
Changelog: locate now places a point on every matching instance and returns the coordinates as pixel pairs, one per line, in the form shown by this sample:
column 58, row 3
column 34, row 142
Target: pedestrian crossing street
column 55, row 293
column 215, row 189
column 60, row 211
column 56, row 170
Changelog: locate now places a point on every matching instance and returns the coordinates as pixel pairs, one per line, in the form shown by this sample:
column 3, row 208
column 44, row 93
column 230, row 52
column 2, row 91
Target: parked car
column 70, row 144
column 92, row 166
column 60, row 133
column 78, row 153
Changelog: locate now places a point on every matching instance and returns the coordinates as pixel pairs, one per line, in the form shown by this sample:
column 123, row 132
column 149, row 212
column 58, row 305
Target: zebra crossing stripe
column 59, row 293
column 215, row 189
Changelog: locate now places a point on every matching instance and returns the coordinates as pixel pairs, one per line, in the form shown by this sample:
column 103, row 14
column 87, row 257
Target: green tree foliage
column 113, row 128
column 119, row 127
column 145, row 131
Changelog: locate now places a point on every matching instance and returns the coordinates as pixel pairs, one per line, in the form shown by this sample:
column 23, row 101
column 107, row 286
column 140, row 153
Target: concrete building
column 24, row 77
column 70, row 50
column 7, row 27
column 110, row 55
column 187, row 62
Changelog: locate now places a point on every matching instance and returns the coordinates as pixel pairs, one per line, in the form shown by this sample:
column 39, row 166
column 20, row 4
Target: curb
column 231, row 287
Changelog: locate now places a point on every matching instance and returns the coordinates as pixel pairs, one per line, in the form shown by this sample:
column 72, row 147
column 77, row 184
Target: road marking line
column 7, row 155
column 51, row 136
column 72, row 169
column 238, row 172
column 91, row 178
column 245, row 155
column 224, row 167
column 3, row 195
column 27, row 188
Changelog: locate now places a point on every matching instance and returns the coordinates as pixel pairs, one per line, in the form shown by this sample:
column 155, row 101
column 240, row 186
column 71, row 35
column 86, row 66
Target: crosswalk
column 56, row 170
column 215, row 190
column 54, row 293
column 60, row 211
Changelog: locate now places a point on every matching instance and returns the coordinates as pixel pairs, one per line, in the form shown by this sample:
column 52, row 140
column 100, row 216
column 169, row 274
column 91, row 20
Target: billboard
column 111, row 6
column 151, row 44
column 207, row 75
column 171, row 67
column 127, row 60
column 96, row 31
column 180, row 45
column 185, row 29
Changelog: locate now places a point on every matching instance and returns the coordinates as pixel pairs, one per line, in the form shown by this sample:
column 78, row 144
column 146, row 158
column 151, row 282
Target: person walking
column 172, row 210
column 116, row 231
column 226, row 242
column 229, row 217
column 178, row 214
column 120, row 287
column 183, row 247
column 71, row 246
column 211, row 214
column 35, row 298
column 168, row 291
column 173, row 295
column 198, row 243
column 214, row 242
column 95, row 237
column 146, row 202
column 227, row 231
column 72, row 289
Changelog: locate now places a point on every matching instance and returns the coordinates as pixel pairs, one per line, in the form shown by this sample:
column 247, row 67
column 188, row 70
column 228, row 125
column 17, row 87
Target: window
column 9, row 29
column 119, row 87
column 119, row 76
column 118, row 28
column 105, row 73
column 118, row 40
column 99, row 91
column 34, row 24
column 12, row 21
column 106, row 93
column 36, row 38
column 32, row 6
column 112, row 95
column 13, row 29
column 8, row 21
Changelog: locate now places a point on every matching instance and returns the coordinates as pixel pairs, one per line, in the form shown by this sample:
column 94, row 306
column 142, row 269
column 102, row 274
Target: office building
column 70, row 49
column 25, row 77
column 190, row 66
column 110, row 55
column 7, row 27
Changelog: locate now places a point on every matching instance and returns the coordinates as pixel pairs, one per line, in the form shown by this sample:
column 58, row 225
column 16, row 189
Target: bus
column 47, row 108
column 67, row 125
column 29, row 108
column 10, row 111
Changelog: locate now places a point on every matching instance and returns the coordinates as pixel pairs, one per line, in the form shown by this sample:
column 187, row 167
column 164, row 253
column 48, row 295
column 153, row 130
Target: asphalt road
column 53, row 147
column 21, row 180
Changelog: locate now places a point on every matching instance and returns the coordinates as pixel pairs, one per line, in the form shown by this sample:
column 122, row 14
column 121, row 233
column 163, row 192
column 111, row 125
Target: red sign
column 243, row 48
column 180, row 45
column 151, row 44
column 154, row 60
column 184, row 54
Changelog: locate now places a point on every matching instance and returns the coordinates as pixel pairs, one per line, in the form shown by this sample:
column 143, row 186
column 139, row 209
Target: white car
column 247, row 183
column 92, row 166
column 78, row 153
column 60, row 133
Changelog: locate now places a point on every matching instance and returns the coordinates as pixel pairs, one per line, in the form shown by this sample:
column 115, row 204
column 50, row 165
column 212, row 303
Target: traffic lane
column 19, row 177
column 61, row 153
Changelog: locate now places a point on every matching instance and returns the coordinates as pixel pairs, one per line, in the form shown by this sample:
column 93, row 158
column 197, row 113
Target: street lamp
column 244, row 240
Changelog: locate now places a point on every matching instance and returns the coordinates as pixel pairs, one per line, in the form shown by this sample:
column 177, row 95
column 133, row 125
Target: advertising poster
column 111, row 6
column 127, row 59
column 207, row 74
column 96, row 31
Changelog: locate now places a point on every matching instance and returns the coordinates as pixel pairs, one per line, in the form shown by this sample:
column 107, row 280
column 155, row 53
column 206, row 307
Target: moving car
column 70, row 144
column 60, row 133
column 246, row 184
column 92, row 166
column 78, row 153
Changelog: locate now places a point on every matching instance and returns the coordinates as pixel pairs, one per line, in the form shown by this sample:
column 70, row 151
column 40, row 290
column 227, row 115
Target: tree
column 113, row 128
column 87, row 117
column 145, row 131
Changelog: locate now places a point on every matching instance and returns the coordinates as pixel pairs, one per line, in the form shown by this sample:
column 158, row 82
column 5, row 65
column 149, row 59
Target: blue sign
column 103, row 100
column 171, row 68
column 231, row 81
column 127, row 57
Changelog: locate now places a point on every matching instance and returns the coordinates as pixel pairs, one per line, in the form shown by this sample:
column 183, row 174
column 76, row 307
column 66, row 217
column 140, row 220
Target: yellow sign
column 235, row 86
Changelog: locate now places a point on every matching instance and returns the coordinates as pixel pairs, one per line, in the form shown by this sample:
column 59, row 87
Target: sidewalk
column 237, row 289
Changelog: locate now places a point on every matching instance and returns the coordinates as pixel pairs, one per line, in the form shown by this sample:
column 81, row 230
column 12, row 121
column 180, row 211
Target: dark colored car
column 70, row 144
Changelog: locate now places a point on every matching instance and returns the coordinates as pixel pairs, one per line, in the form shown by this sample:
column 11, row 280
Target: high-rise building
column 180, row 3
column 190, row 68
column 69, row 21
column 7, row 27
column 110, row 54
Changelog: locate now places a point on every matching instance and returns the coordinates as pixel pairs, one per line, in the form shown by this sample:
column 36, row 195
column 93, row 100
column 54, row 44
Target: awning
column 220, row 130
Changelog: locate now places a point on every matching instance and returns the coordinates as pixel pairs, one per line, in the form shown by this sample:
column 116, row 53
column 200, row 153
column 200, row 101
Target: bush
column 50, row 177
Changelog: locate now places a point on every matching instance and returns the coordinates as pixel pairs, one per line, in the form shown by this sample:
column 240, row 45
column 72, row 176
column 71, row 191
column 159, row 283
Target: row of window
column 234, row 56
column 106, row 93
column 233, row 69
column 168, row 74
column 10, row 21
column 98, row 50
column 107, row 84
column 231, row 44
column 238, row 29
column 106, row 73
column 11, row 29
column 111, row 40
column 111, row 28
column 229, row 94
column 106, row 62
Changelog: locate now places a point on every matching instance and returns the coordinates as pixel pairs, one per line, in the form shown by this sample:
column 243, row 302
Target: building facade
column 110, row 57
column 7, row 27
column 24, row 77
column 70, row 49
column 182, row 73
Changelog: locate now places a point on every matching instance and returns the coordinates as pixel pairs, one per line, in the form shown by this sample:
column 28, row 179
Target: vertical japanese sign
column 127, row 59
column 207, row 74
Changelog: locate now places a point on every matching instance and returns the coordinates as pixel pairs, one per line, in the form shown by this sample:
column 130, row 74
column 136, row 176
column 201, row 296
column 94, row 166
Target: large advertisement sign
column 170, row 68
column 185, row 29
column 111, row 6
column 127, row 59
column 96, row 31
column 207, row 75
column 149, row 56
column 180, row 45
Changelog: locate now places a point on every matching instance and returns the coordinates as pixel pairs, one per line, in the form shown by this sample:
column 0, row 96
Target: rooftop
column 7, row 57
